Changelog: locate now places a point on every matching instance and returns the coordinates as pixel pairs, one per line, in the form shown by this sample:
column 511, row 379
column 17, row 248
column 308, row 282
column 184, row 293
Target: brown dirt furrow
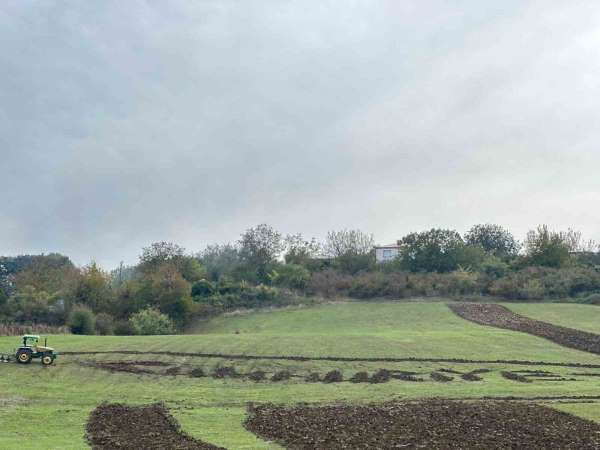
column 337, row 358
column 121, row 427
column 501, row 317
column 431, row 424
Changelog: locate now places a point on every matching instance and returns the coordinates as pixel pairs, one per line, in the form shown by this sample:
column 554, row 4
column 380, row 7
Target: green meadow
column 47, row 407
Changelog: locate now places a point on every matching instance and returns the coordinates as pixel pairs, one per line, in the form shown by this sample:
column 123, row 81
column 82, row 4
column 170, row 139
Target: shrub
column 105, row 324
column 593, row 299
column 291, row 276
column 203, row 288
column 123, row 328
column 82, row 320
column 151, row 321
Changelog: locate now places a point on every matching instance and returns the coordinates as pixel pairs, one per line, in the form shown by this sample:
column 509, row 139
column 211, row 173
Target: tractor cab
column 30, row 349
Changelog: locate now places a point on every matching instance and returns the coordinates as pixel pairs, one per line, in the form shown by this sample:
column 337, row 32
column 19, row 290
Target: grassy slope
column 581, row 317
column 48, row 407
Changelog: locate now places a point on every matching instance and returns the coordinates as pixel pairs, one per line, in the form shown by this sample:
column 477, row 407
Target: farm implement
column 30, row 349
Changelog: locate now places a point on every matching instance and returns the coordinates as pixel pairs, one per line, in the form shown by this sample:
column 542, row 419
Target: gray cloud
column 126, row 123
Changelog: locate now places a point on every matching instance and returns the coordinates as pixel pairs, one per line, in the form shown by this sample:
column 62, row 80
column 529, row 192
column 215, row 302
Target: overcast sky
column 124, row 123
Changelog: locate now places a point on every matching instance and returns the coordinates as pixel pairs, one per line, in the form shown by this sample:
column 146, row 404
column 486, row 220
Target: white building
column 386, row 253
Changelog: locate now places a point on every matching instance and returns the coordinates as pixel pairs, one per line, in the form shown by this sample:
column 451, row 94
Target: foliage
column 159, row 253
column 300, row 251
column 259, row 247
column 151, row 321
column 292, row 276
column 593, row 299
column 82, row 320
column 93, row 288
column 547, row 248
column 169, row 291
column 435, row 250
column 30, row 305
column 348, row 242
column 494, row 240
column 203, row 288
column 220, row 260
column 105, row 325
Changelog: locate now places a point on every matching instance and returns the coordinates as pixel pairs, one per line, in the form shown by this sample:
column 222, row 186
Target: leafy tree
column 259, row 247
column 30, row 305
column 3, row 298
column 203, row 288
column 170, row 292
column 493, row 239
column 93, row 288
column 191, row 269
column 435, row 250
column 82, row 320
column 292, row 276
column 50, row 273
column 151, row 321
column 220, row 260
column 299, row 250
column 105, row 324
column 159, row 253
column 547, row 248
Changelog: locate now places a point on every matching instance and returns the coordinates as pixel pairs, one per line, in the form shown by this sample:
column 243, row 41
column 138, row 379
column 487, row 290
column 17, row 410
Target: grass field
column 48, row 407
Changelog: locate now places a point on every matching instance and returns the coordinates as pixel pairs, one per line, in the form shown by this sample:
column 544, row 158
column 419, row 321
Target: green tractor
column 30, row 349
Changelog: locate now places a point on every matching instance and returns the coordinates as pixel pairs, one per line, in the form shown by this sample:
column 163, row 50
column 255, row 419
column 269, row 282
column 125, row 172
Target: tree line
column 169, row 286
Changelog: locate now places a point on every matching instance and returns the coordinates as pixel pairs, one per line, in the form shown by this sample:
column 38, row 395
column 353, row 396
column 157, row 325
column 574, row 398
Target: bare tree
column 348, row 242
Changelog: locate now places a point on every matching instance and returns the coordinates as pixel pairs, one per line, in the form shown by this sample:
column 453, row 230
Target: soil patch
column 515, row 377
column 471, row 376
column 433, row 424
column 502, row 317
column 360, row 377
column 436, row 376
column 335, row 376
column 337, row 358
column 116, row 426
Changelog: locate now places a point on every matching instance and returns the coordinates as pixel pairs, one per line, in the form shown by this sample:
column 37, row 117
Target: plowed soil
column 433, row 424
column 121, row 427
column 336, row 358
column 501, row 317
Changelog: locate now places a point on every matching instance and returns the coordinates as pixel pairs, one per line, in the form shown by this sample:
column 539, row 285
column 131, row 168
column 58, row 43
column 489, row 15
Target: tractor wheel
column 47, row 360
column 24, row 356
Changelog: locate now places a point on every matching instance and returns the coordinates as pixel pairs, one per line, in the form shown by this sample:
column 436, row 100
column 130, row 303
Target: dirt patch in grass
column 360, row 377
column 313, row 377
column 515, row 377
column 282, row 375
column 502, row 317
column 337, row 358
column 224, row 372
column 432, row 424
column 471, row 377
column 334, row 376
column 121, row 427
column 256, row 375
column 437, row 376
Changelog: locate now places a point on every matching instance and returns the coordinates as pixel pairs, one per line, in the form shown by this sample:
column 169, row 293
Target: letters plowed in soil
column 121, row 427
column 431, row 424
column 501, row 317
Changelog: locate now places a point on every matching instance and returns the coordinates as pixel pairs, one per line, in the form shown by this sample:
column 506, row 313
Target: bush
column 151, row 321
column 203, row 288
column 123, row 328
column 593, row 299
column 82, row 320
column 105, row 324
column 291, row 276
